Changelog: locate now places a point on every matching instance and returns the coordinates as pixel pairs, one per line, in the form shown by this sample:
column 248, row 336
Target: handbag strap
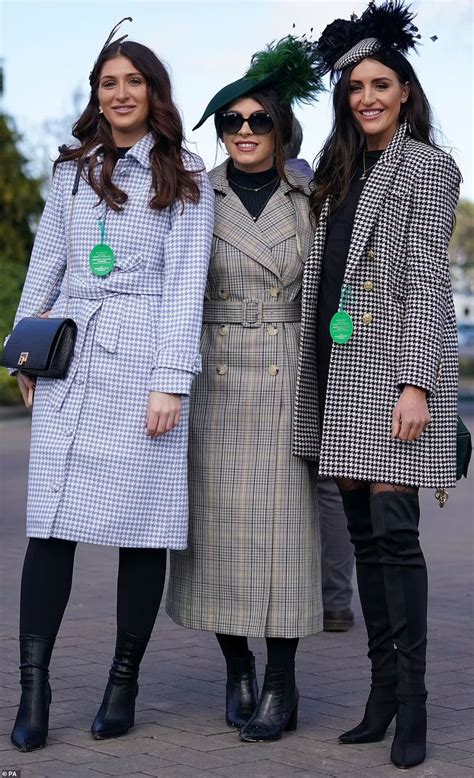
column 68, row 251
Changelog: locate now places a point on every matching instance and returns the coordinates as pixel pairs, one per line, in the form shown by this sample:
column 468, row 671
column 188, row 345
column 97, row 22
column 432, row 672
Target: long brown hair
column 282, row 116
column 97, row 151
column 337, row 159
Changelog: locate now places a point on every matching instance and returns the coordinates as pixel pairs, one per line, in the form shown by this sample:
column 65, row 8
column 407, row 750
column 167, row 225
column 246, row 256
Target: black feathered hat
column 387, row 27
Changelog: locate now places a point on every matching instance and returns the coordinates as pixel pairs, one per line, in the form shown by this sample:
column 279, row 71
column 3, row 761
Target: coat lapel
column 304, row 230
column 234, row 225
column 373, row 196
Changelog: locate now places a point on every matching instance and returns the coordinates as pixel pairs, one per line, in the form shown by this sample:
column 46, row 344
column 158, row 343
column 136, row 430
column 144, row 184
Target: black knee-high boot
column 395, row 517
column 31, row 724
column 117, row 713
column 382, row 703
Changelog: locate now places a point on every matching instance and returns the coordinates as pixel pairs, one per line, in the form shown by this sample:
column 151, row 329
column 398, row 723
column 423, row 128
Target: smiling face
column 375, row 99
column 249, row 152
column 123, row 97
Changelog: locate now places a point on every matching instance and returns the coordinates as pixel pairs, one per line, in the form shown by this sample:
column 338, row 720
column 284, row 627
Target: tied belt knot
column 250, row 312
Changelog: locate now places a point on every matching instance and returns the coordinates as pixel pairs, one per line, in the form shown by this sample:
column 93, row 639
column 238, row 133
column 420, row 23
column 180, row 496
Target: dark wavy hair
column 336, row 162
column 171, row 180
column 282, row 116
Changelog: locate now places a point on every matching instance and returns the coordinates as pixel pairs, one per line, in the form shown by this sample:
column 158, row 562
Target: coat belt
column 250, row 312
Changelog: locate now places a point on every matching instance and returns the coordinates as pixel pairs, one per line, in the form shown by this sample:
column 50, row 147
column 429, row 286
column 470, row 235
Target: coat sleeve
column 428, row 281
column 49, row 256
column 186, row 260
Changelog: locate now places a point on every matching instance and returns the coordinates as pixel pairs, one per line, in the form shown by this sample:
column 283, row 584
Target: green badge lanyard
column 341, row 325
column 102, row 257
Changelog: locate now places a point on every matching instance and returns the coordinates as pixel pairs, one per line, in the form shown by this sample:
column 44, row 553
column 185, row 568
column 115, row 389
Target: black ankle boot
column 117, row 713
column 380, row 710
column 395, row 517
column 382, row 703
column 277, row 708
column 241, row 690
column 409, row 743
column 31, row 724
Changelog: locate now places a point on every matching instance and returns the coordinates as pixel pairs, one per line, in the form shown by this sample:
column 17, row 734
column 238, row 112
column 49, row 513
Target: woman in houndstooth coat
column 108, row 460
column 252, row 566
column 379, row 343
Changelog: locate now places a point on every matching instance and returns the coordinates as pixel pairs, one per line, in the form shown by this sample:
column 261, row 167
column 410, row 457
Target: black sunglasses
column 230, row 122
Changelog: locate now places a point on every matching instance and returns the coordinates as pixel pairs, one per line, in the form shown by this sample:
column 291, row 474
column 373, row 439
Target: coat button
column 367, row 318
column 55, row 486
column 222, row 369
column 272, row 329
column 79, row 380
column 370, row 254
column 223, row 294
column 368, row 286
column 224, row 329
column 69, row 433
column 275, row 291
column 273, row 369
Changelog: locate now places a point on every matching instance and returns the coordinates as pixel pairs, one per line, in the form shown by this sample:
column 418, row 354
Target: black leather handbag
column 41, row 347
column 44, row 347
column 463, row 449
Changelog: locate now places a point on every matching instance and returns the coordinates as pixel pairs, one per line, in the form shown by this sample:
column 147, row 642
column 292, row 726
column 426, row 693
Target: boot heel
column 292, row 722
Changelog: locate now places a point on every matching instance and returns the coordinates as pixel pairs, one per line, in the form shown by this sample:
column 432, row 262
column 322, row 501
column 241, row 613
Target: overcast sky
column 49, row 48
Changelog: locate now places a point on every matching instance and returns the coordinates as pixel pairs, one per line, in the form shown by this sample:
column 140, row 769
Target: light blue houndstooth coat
column 94, row 474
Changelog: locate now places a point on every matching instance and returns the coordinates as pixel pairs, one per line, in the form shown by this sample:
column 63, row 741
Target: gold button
column 272, row 329
column 275, row 291
column 222, row 369
column 223, row 294
column 367, row 318
column 224, row 329
column 370, row 254
column 368, row 286
column 273, row 369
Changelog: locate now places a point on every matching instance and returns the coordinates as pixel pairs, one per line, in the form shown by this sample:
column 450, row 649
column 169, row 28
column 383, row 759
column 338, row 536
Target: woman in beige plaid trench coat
column 252, row 566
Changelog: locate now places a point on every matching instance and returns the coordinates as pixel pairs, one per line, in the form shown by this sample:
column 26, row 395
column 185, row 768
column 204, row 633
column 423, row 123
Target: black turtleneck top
column 253, row 189
column 338, row 241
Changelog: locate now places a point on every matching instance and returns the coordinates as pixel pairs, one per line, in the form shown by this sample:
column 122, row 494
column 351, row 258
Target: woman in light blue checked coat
column 108, row 447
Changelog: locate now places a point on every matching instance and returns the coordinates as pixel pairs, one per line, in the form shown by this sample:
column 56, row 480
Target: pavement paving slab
column 180, row 731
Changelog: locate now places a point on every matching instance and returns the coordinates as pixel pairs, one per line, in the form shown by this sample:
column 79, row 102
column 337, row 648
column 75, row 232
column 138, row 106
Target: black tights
column 47, row 579
column 281, row 651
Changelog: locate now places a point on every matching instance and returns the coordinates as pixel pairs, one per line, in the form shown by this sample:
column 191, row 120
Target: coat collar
column 140, row 151
column 373, row 196
column 234, row 226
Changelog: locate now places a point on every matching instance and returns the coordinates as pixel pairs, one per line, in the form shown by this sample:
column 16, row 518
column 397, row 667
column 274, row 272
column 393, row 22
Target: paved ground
column 180, row 729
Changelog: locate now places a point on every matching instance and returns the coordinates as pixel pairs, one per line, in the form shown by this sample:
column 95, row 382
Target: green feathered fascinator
column 291, row 66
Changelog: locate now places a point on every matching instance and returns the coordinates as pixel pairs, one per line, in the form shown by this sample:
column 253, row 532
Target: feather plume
column 296, row 62
column 392, row 24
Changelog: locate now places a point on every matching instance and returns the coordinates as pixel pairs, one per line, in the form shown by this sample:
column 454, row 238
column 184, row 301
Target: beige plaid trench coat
column 252, row 566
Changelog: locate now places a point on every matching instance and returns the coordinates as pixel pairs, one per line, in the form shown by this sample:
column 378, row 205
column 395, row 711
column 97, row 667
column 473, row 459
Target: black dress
column 338, row 241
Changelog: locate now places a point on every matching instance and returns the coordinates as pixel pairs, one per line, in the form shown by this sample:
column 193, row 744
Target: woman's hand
column 27, row 387
column 411, row 415
column 164, row 411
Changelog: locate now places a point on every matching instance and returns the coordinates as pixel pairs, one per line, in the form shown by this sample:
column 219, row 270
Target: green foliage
column 462, row 242
column 20, row 206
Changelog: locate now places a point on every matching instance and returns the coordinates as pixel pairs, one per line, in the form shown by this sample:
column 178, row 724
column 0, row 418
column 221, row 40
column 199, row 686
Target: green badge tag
column 101, row 259
column 341, row 327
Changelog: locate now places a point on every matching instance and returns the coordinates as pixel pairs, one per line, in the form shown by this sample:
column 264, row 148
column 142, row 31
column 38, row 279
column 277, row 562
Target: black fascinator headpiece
column 109, row 41
column 387, row 27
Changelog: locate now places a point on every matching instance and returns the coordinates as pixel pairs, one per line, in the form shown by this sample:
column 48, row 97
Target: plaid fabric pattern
column 253, row 557
column 360, row 51
column 404, row 327
column 94, row 475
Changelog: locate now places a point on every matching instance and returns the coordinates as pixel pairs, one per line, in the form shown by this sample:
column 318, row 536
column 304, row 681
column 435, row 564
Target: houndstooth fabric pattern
column 404, row 327
column 252, row 566
column 361, row 50
column 94, row 474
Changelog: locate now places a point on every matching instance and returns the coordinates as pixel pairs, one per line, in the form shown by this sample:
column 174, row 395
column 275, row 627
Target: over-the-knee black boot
column 277, row 708
column 31, row 724
column 395, row 517
column 117, row 713
column 382, row 703
column 241, row 690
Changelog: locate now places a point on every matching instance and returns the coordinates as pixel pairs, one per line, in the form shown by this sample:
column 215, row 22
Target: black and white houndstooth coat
column 404, row 327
